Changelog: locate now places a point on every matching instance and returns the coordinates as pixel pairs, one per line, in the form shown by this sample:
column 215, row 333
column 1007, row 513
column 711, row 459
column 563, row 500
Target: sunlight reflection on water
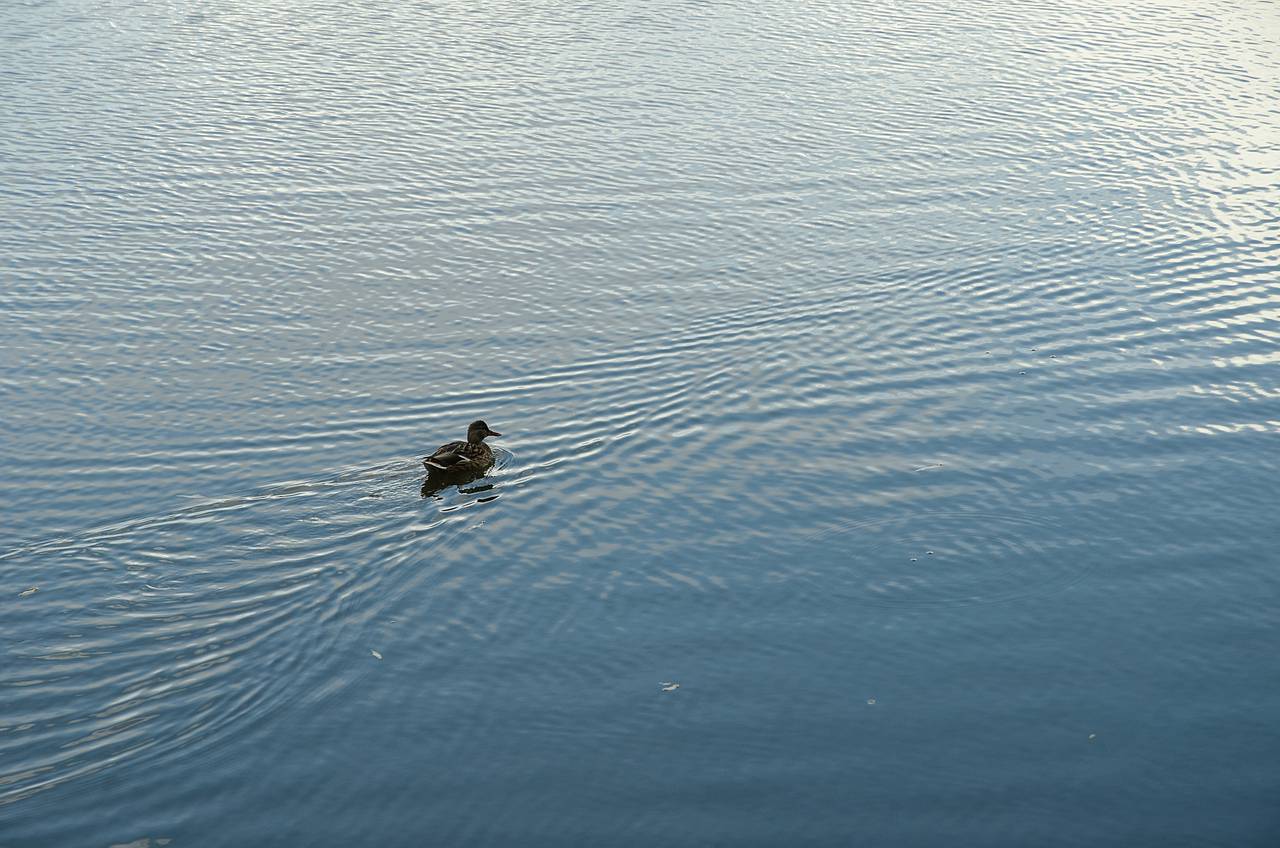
column 920, row 351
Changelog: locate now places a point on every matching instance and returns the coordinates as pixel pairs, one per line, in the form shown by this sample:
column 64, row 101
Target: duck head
column 478, row 432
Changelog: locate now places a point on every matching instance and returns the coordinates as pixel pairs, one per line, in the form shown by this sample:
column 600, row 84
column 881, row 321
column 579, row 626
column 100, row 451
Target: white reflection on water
column 778, row 301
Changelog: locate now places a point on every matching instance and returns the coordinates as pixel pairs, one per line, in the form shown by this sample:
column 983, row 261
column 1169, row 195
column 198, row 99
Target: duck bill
column 491, row 433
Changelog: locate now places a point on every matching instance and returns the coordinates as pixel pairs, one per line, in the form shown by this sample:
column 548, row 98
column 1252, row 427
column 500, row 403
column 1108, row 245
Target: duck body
column 460, row 456
column 463, row 459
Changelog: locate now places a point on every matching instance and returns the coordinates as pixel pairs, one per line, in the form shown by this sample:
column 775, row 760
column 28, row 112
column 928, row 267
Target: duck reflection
column 436, row 483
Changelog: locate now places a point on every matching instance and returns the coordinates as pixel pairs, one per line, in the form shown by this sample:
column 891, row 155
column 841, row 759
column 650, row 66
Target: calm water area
column 891, row 407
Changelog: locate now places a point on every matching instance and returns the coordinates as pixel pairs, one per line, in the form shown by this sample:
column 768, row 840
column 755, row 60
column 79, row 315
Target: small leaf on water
column 667, row 686
column 30, row 591
column 376, row 655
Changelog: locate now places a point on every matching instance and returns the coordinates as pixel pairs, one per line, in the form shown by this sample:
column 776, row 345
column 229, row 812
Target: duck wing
column 446, row 456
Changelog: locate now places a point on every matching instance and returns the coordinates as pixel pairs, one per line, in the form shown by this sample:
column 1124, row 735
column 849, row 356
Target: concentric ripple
column 963, row 307
column 164, row 635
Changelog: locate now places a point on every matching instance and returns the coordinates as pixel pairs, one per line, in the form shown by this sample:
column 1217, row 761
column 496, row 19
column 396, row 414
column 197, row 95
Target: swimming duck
column 470, row 457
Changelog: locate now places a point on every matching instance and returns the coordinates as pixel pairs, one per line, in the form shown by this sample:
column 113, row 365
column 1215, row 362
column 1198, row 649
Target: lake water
column 902, row 380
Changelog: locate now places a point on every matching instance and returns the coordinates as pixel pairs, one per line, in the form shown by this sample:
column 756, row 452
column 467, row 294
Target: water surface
column 901, row 380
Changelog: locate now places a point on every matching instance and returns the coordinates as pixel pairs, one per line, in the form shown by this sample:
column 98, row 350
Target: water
column 901, row 380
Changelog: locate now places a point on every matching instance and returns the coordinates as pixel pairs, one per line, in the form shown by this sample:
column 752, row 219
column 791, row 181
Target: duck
column 464, row 458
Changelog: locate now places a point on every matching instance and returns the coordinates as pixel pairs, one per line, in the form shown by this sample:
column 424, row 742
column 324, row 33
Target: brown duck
column 470, row 457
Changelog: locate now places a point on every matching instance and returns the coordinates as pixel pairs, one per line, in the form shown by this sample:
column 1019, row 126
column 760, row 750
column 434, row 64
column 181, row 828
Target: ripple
column 770, row 303
column 930, row 558
column 164, row 634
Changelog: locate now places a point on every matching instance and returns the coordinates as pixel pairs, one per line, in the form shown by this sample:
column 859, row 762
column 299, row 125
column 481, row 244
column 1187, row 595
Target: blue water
column 901, row 380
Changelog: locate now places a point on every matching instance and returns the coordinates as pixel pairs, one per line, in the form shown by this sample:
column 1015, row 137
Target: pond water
column 901, row 380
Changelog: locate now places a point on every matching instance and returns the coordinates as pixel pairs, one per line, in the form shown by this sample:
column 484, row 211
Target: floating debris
column 376, row 655
column 871, row 702
column 668, row 686
column 1092, row 736
column 30, row 591
column 929, row 467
